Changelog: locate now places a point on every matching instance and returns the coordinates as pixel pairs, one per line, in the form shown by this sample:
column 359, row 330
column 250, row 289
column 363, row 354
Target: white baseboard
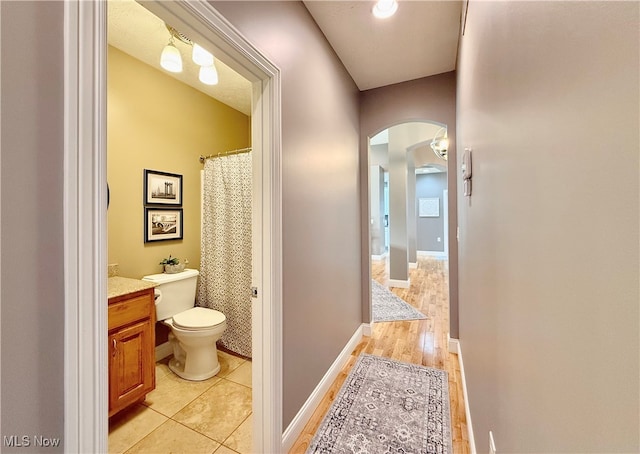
column 454, row 344
column 432, row 253
column 398, row 283
column 467, row 411
column 293, row 431
column 163, row 350
column 366, row 329
column 413, row 265
column 379, row 257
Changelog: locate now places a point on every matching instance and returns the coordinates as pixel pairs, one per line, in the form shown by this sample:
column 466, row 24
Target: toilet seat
column 198, row 318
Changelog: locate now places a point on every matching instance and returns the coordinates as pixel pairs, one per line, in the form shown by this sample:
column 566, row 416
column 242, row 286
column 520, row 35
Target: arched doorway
column 401, row 216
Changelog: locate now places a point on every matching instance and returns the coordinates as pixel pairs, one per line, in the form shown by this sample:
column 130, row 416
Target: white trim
column 413, row 265
column 432, row 253
column 382, row 256
column 85, row 227
column 296, row 426
column 367, row 329
column 445, row 205
column 399, row 283
column 163, row 351
column 467, row 411
column 453, row 345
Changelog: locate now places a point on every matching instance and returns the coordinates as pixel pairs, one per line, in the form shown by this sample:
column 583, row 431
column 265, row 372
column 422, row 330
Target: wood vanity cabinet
column 131, row 348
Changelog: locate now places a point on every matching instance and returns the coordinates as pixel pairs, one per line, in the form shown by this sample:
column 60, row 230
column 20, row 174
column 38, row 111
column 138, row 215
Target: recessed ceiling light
column 385, row 8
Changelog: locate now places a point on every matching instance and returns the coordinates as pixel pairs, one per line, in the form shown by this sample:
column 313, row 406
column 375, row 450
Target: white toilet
column 194, row 330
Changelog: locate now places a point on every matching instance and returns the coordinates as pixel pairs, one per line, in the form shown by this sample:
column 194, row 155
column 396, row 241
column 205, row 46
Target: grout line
column 233, row 431
column 198, row 432
column 195, row 398
column 240, row 384
column 146, row 436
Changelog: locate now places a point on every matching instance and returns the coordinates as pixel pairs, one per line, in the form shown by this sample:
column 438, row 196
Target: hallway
column 419, row 341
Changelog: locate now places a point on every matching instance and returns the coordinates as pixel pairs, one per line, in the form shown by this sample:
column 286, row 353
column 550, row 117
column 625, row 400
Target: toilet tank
column 174, row 292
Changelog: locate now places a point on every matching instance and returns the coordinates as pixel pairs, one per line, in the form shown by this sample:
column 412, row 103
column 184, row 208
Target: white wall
column 376, row 200
column 548, row 96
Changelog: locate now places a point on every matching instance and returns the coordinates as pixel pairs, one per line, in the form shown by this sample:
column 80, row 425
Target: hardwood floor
column 418, row 341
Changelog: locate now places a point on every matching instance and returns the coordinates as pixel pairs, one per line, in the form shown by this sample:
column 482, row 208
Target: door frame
column 366, row 212
column 85, row 217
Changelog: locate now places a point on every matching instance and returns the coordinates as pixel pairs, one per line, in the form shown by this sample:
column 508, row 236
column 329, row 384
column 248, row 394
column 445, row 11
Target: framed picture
column 162, row 188
column 429, row 207
column 162, row 224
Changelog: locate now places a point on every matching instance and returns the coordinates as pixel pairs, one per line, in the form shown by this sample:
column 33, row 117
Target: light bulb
column 385, row 8
column 208, row 75
column 200, row 56
column 443, row 144
column 171, row 59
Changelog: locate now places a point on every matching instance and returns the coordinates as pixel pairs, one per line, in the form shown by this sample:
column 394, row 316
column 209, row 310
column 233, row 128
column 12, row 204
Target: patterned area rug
column 386, row 406
column 387, row 307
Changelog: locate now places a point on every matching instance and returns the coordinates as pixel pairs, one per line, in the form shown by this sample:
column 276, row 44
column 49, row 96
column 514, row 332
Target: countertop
column 118, row 286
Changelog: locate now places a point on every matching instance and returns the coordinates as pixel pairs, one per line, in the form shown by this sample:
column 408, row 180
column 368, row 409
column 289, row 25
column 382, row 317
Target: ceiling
column 137, row 32
column 420, row 40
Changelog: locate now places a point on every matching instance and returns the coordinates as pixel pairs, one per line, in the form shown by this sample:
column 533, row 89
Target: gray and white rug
column 386, row 406
column 388, row 307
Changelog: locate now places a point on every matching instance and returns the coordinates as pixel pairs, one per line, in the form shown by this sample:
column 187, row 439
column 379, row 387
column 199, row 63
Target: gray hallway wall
column 320, row 191
column 429, row 229
column 32, row 290
column 548, row 310
column 431, row 98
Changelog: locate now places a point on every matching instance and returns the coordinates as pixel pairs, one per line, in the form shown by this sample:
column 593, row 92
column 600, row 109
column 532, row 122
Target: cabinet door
column 131, row 368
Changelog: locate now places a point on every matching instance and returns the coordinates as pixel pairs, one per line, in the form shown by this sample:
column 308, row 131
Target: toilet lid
column 198, row 318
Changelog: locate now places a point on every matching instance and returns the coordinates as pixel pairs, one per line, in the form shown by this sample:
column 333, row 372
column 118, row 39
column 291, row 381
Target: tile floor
column 179, row 416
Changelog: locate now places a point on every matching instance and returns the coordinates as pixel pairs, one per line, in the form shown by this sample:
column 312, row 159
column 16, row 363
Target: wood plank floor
column 419, row 342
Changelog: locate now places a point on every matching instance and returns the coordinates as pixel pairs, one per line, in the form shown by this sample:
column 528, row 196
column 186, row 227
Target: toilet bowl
column 194, row 330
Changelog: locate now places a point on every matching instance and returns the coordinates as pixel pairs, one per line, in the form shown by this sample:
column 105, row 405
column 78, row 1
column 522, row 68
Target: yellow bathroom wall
column 156, row 122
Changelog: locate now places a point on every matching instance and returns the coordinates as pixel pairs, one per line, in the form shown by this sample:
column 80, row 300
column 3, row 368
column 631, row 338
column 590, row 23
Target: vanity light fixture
column 170, row 58
column 208, row 75
column 200, row 56
column 385, row 8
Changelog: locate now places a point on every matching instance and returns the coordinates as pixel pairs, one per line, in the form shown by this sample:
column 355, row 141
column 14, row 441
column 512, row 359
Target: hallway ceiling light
column 170, row 58
column 440, row 143
column 208, row 75
column 385, row 8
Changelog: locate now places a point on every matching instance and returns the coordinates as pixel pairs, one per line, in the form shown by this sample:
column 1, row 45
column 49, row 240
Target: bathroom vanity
column 131, row 341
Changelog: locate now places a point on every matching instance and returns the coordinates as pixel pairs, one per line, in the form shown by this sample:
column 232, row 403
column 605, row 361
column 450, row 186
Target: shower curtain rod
column 225, row 153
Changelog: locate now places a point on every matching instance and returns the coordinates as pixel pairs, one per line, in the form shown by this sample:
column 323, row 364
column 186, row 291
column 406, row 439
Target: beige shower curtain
column 225, row 262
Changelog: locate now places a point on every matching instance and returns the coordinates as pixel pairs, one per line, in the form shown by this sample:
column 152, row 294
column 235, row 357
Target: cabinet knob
column 115, row 347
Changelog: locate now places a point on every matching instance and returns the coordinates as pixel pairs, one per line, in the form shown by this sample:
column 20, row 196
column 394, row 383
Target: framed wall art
column 162, row 188
column 162, row 224
column 429, row 207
